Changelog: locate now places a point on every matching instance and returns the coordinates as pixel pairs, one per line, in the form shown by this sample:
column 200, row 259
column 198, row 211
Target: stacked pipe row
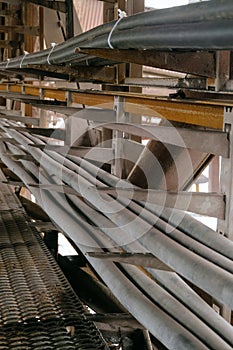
column 199, row 26
column 163, row 302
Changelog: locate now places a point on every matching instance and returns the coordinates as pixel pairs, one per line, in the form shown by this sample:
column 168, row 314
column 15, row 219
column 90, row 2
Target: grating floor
column 38, row 308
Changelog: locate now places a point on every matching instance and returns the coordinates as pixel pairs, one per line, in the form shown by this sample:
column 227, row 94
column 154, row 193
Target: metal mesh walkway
column 38, row 308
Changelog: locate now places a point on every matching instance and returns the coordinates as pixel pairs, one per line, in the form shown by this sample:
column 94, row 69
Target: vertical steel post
column 69, row 19
column 117, row 136
column 225, row 227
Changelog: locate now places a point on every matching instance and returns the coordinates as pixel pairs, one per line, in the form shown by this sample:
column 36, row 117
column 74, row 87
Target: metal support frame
column 117, row 137
column 225, row 227
column 226, row 178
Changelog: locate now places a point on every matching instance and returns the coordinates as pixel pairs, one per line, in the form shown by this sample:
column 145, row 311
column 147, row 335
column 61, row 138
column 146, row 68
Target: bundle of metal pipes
column 199, row 26
column 161, row 301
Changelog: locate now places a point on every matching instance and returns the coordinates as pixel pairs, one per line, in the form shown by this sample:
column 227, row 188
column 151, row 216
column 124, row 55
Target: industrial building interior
column 116, row 186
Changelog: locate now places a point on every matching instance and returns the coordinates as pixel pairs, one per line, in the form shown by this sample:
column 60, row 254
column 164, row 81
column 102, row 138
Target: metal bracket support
column 225, row 227
column 117, row 137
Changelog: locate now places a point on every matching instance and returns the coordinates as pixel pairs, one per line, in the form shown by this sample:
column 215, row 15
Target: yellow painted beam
column 196, row 112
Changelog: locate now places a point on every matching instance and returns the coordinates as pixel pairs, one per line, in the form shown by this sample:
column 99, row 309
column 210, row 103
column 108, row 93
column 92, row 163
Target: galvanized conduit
column 168, row 303
column 185, row 262
column 184, row 294
column 201, row 26
column 176, row 218
column 199, row 306
column 78, row 188
column 152, row 219
column 195, row 229
column 171, row 334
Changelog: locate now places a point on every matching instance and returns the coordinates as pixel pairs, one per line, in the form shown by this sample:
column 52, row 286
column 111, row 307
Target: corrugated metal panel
column 90, row 13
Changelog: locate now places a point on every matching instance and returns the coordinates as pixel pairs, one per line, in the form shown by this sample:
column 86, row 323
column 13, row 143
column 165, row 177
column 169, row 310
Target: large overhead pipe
column 206, row 25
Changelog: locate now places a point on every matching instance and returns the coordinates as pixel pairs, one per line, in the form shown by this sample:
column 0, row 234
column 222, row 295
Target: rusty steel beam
column 98, row 74
column 198, row 63
column 206, row 141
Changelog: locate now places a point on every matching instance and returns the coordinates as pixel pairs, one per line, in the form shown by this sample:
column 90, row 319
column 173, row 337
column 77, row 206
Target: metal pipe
column 157, row 296
column 170, row 281
column 157, row 322
column 195, row 229
column 185, row 262
column 186, row 223
column 196, row 26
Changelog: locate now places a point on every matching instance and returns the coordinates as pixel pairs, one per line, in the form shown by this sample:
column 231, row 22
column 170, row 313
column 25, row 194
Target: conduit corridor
column 160, row 300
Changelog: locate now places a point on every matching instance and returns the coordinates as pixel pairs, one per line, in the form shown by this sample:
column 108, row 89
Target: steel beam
column 203, row 113
column 214, row 142
column 211, row 204
column 198, row 63
column 226, row 181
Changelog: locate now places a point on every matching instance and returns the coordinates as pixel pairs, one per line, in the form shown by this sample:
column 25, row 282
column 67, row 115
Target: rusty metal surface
column 38, row 308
